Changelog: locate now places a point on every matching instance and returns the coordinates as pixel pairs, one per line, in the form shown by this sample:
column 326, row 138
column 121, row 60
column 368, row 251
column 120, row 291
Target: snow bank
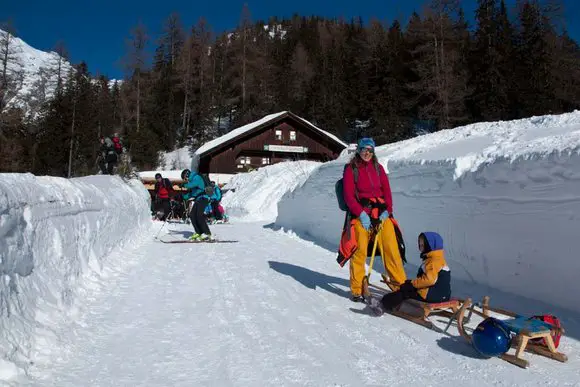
column 53, row 232
column 505, row 196
column 254, row 196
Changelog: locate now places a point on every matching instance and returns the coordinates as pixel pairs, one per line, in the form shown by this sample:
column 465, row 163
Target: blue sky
column 95, row 31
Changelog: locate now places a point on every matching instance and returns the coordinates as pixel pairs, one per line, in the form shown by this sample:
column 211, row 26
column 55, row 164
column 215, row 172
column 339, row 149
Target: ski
column 207, row 241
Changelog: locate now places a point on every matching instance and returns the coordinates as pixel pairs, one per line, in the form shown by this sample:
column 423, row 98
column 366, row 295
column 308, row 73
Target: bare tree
column 8, row 62
column 135, row 64
column 442, row 86
column 58, row 66
column 193, row 67
column 173, row 37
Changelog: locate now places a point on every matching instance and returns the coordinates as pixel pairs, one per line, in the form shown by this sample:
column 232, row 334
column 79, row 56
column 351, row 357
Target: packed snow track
column 271, row 310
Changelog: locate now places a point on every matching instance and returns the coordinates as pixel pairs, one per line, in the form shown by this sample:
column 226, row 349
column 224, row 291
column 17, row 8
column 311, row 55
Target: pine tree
column 535, row 96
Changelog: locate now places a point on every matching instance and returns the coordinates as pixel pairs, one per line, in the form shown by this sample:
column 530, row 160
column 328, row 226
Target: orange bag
column 348, row 244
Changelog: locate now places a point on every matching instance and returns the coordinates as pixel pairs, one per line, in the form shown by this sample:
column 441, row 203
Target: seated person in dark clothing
column 433, row 282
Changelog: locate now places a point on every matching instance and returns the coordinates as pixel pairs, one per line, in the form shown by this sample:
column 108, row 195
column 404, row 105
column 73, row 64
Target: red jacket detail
column 163, row 189
column 370, row 184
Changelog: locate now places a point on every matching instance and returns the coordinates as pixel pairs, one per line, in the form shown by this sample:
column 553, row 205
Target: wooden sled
column 525, row 330
column 419, row 312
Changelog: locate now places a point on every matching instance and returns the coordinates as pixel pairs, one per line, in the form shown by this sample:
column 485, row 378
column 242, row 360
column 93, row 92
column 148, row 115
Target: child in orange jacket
column 433, row 282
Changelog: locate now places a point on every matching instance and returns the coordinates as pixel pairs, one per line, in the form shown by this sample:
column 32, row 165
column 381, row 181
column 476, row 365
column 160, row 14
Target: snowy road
column 271, row 310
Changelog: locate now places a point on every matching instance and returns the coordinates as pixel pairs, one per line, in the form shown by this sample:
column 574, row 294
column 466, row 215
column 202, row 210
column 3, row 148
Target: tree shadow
column 312, row 279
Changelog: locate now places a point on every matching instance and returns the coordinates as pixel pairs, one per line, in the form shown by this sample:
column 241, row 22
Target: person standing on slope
column 215, row 200
column 369, row 200
column 108, row 156
column 196, row 190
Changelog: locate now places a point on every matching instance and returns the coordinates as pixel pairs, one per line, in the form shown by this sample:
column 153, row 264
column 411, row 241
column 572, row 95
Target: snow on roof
column 208, row 146
column 235, row 133
column 323, row 131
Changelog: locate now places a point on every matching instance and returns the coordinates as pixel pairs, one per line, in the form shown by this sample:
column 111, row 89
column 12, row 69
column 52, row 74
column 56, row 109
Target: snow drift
column 505, row 196
column 254, row 196
column 53, row 232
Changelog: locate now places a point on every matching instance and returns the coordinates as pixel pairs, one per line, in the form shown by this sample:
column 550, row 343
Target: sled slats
column 525, row 329
column 531, row 328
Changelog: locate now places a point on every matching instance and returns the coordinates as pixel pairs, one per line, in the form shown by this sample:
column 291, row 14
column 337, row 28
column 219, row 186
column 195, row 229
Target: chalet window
column 265, row 160
column 246, row 160
column 240, row 166
column 292, row 135
column 278, row 134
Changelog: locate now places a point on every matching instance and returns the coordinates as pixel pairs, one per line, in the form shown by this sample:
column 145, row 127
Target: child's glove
column 365, row 220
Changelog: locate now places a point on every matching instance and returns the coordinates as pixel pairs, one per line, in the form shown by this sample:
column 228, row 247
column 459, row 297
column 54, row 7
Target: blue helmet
column 491, row 338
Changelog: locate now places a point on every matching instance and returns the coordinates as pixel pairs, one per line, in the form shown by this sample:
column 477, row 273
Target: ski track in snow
column 271, row 310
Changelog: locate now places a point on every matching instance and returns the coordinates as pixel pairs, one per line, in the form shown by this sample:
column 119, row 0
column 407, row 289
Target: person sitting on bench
column 433, row 282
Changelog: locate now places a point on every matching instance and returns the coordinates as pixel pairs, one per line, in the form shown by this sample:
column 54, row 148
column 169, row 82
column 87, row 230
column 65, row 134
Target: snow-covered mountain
column 33, row 74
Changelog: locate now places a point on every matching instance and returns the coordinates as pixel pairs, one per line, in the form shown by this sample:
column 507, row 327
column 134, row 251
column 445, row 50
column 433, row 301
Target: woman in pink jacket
column 370, row 202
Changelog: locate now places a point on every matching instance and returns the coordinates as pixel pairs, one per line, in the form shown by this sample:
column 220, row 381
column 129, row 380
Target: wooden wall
column 226, row 160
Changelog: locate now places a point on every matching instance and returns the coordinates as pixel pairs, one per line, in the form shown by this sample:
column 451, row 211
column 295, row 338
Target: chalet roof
column 215, row 143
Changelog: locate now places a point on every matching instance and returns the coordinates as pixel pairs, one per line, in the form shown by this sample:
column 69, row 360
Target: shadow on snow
column 312, row 279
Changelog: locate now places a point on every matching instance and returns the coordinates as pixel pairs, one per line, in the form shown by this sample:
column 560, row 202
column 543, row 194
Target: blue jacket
column 217, row 194
column 195, row 187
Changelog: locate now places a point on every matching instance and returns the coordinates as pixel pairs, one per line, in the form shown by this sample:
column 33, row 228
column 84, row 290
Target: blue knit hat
column 366, row 142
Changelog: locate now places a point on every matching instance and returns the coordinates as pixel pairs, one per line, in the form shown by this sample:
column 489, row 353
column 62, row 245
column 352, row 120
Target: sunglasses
column 370, row 150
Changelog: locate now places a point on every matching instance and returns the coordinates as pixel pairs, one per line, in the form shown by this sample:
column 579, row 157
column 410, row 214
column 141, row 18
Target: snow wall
column 254, row 196
column 54, row 232
column 504, row 196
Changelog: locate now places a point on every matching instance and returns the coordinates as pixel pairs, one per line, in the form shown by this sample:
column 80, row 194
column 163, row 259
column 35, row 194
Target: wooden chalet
column 272, row 139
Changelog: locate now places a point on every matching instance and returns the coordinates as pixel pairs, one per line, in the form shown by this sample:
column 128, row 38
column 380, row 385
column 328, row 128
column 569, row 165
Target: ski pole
column 159, row 232
column 374, row 251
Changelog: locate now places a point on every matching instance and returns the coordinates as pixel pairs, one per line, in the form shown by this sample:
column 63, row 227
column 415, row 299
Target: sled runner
column 525, row 329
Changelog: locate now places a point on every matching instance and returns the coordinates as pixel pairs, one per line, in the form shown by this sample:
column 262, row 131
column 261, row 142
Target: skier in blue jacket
column 215, row 200
column 195, row 186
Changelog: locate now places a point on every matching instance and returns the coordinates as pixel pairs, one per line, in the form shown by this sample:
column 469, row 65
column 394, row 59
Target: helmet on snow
column 491, row 338
column 185, row 174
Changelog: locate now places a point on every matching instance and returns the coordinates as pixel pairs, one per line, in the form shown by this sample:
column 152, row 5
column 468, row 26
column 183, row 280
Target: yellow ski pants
column 387, row 247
